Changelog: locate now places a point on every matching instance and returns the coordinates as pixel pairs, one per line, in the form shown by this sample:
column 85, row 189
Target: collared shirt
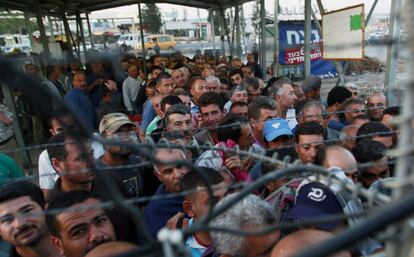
column 148, row 115
column 196, row 248
column 130, row 89
column 153, row 125
column 194, row 108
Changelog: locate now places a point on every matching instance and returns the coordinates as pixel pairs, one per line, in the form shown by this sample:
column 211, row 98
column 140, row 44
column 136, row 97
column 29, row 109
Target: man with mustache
column 22, row 221
column 78, row 224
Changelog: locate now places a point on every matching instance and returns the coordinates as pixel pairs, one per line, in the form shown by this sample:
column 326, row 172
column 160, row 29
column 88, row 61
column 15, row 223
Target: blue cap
column 275, row 128
column 314, row 200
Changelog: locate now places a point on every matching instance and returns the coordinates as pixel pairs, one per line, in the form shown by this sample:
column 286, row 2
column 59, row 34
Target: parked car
column 165, row 42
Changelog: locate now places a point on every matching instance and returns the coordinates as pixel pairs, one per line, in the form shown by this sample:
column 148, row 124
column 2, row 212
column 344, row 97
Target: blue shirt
column 337, row 125
column 81, row 106
column 159, row 211
column 148, row 115
column 95, row 94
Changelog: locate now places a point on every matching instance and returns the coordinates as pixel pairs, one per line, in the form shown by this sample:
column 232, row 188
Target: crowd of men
column 210, row 109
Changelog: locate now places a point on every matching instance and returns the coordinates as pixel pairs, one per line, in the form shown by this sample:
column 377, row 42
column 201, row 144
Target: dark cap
column 315, row 200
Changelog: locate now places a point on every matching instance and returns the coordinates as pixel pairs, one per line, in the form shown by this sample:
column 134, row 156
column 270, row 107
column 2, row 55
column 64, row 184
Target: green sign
column 355, row 22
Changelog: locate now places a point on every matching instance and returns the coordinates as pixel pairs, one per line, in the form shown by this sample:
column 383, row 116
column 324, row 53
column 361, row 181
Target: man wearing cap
column 277, row 133
column 315, row 200
column 117, row 126
column 311, row 87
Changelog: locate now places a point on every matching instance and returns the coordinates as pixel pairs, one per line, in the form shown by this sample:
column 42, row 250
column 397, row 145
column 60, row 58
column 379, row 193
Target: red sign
column 297, row 55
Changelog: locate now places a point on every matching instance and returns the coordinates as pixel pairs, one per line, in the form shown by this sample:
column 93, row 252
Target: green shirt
column 153, row 125
column 8, row 169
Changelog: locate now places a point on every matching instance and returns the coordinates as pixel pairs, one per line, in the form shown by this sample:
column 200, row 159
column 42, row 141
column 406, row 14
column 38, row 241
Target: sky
column 382, row 7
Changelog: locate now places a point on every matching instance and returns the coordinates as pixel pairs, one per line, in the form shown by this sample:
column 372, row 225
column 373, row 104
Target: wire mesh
column 382, row 213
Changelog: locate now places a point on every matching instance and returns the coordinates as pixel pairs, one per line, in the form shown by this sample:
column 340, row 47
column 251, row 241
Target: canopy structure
column 54, row 7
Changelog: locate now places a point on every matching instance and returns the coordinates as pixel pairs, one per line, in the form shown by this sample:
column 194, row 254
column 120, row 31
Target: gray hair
column 250, row 211
column 343, row 135
column 260, row 102
column 312, row 104
column 212, row 78
column 235, row 89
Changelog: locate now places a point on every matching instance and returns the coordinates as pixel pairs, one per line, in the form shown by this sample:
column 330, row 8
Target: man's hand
column 246, row 164
column 178, row 221
column 6, row 120
column 111, row 85
column 232, row 162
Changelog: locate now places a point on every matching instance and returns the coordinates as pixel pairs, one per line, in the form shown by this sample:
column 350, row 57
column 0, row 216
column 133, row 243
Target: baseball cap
column 275, row 128
column 314, row 200
column 311, row 82
column 113, row 121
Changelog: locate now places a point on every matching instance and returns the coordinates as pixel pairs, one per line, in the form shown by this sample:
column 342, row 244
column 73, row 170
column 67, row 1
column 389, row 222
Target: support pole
column 29, row 27
column 276, row 39
column 307, row 37
column 213, row 32
column 8, row 98
column 52, row 32
column 243, row 29
column 403, row 153
column 43, row 38
column 141, row 30
column 371, row 11
column 392, row 51
column 227, row 34
column 90, row 31
column 238, row 32
column 82, row 34
column 263, row 35
column 68, row 34
column 222, row 35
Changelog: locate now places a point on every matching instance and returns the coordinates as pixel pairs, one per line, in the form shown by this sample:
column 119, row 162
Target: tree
column 15, row 25
column 151, row 18
column 215, row 15
column 256, row 16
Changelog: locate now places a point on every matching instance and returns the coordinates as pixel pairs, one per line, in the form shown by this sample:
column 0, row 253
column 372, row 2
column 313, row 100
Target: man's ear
column 57, row 243
column 188, row 208
column 57, row 165
column 253, row 123
column 157, row 174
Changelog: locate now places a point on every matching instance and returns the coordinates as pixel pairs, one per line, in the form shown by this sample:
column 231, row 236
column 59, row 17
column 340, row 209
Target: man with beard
column 117, row 126
column 81, row 227
column 22, row 221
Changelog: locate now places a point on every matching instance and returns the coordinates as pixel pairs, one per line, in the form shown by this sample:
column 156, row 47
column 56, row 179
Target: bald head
column 347, row 136
column 112, row 249
column 377, row 102
column 340, row 157
column 302, row 239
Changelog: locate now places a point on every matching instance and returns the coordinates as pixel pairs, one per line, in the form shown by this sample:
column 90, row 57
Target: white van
column 128, row 40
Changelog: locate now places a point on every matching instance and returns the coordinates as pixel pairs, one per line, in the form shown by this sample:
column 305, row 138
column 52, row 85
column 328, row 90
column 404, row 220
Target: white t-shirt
column 48, row 175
